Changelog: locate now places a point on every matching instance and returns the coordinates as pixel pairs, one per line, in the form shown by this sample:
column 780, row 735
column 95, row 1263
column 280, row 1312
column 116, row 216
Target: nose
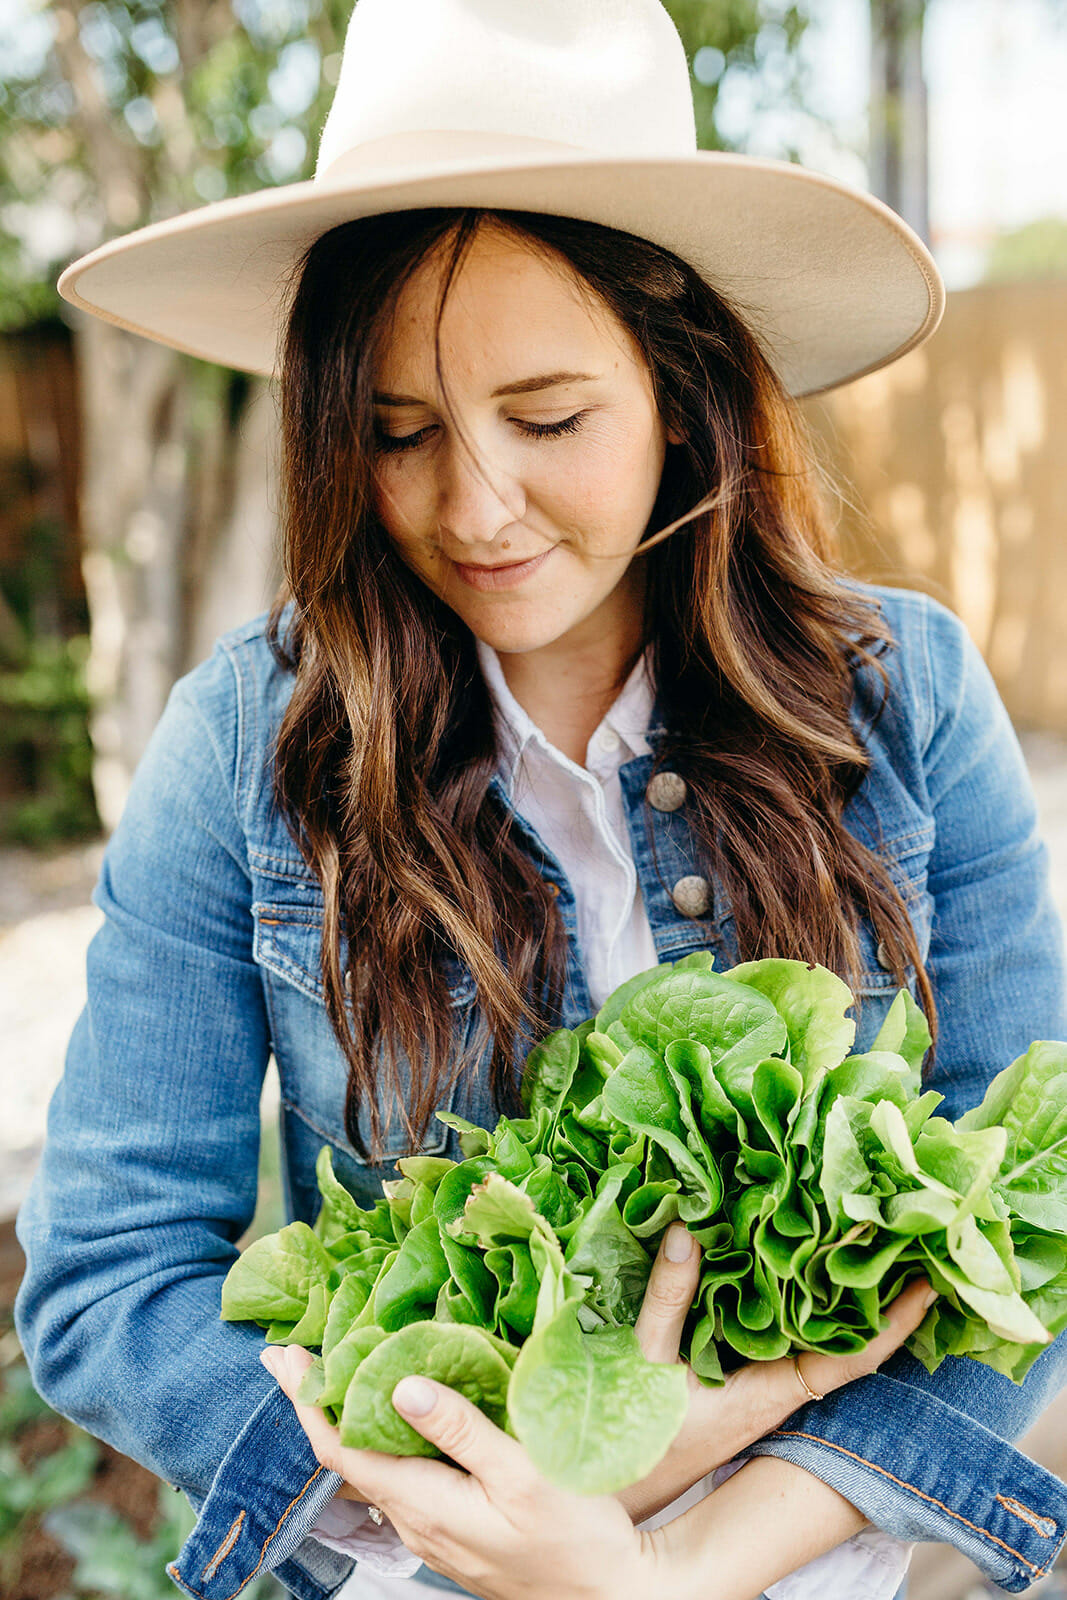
column 477, row 499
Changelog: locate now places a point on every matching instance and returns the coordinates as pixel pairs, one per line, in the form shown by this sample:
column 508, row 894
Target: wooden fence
column 40, row 556
column 956, row 462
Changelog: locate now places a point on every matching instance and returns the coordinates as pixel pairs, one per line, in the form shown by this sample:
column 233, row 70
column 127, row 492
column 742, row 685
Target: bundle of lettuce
column 817, row 1183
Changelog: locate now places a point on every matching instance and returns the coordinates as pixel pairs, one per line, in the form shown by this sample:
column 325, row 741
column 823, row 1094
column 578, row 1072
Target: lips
column 507, row 576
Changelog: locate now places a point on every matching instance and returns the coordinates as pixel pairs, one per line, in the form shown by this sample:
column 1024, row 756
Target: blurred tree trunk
column 160, row 430
column 233, row 569
column 134, row 520
column 899, row 116
column 178, row 521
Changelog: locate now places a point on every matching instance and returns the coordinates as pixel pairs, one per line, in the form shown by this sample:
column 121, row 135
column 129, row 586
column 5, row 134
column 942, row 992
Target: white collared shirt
column 578, row 812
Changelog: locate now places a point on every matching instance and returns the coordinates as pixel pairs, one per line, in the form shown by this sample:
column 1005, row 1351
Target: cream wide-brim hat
column 578, row 108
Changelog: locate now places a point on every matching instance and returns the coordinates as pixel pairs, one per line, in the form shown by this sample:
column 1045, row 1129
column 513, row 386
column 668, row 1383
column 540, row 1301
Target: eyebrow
column 545, row 380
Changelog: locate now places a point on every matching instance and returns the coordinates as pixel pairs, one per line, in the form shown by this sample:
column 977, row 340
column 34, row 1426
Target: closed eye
column 553, row 430
column 392, row 443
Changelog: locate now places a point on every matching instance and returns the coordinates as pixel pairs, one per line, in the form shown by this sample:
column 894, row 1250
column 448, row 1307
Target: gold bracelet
column 805, row 1385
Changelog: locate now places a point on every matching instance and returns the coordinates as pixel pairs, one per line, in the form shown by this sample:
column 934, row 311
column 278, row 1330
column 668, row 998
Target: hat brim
column 833, row 283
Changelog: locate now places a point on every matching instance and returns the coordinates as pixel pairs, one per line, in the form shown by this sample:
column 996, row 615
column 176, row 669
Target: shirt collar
column 629, row 715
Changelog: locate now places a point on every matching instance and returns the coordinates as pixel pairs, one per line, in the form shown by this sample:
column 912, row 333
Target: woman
column 431, row 809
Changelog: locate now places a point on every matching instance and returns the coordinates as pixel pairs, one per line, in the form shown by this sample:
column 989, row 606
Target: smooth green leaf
column 593, row 1414
column 739, row 1026
column 454, row 1354
column 407, row 1291
column 812, row 1003
column 905, row 1032
column 550, row 1067
column 339, row 1212
column 619, row 999
column 271, row 1280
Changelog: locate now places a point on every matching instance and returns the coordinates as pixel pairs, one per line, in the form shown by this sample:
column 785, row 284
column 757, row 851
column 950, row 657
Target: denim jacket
column 208, row 960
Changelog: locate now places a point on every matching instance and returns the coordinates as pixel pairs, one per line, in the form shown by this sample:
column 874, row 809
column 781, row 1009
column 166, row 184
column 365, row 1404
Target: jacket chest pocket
column 312, row 1069
column 906, row 858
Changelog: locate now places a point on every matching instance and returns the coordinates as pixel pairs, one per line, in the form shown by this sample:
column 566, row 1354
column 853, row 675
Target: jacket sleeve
column 149, row 1173
column 930, row 1456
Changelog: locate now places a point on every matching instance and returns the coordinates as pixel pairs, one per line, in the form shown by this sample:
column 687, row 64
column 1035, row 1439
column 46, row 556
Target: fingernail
column 679, row 1244
column 928, row 1298
column 415, row 1396
column 270, row 1359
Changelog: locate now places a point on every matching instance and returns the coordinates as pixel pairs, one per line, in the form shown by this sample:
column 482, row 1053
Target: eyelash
column 393, row 444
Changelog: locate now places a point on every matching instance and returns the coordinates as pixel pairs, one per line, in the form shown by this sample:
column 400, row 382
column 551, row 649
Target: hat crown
column 606, row 76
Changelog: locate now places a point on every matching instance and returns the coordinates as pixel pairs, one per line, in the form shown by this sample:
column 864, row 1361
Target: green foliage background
column 211, row 108
column 1036, row 250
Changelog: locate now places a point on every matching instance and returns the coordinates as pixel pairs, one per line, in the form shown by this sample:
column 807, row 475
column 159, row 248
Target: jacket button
column 884, row 958
column 692, row 896
column 666, row 791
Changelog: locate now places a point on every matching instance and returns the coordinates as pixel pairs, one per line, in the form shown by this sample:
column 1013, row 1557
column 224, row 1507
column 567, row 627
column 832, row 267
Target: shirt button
column 607, row 739
column 884, row 958
column 553, row 889
column 666, row 791
column 692, row 896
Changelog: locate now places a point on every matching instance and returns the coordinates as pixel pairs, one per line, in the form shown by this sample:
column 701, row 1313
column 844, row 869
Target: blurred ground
column 46, row 922
column 46, row 1568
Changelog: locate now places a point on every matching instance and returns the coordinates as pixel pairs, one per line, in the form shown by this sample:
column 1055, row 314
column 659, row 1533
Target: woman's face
column 522, row 508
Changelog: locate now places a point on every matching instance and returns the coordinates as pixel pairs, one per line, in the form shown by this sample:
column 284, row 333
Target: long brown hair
column 385, row 755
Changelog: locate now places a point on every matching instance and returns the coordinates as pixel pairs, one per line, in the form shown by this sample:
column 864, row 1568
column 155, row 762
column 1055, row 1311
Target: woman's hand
column 498, row 1528
column 755, row 1398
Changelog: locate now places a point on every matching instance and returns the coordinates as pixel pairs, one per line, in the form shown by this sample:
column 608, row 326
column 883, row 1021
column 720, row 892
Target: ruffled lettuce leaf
column 816, row 1183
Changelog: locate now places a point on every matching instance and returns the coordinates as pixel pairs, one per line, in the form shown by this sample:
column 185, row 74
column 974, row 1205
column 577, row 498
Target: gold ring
column 378, row 1517
column 805, row 1385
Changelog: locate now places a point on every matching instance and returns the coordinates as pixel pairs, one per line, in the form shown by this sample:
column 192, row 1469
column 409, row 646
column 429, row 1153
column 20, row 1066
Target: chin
column 515, row 638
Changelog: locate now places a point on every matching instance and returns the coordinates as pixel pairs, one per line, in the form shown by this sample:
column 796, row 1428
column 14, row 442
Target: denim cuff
column 996, row 1505
column 263, row 1501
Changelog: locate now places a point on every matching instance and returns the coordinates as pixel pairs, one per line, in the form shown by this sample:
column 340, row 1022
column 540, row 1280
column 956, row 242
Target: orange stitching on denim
column 173, row 1569
column 224, row 1549
column 796, row 1433
column 1044, row 1526
column 296, row 863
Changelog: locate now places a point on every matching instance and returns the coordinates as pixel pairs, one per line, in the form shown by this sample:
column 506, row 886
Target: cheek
column 612, row 487
column 399, row 502
column 399, row 518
